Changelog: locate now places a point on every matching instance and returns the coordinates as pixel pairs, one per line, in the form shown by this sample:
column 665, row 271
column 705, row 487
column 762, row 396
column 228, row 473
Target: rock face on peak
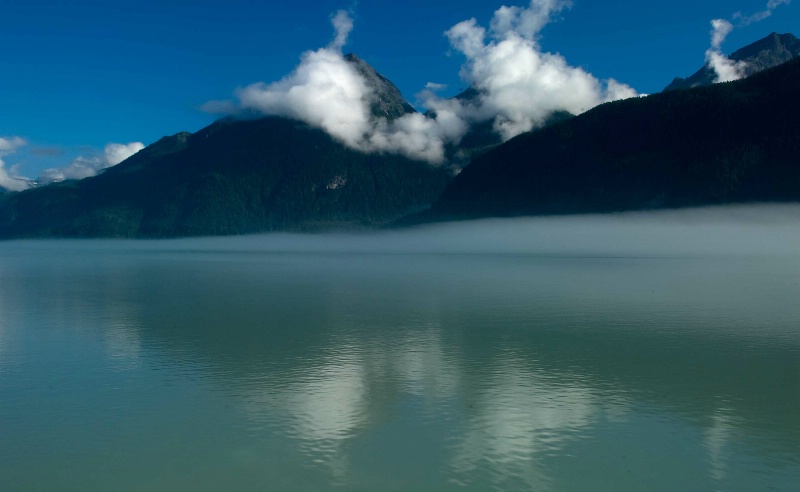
column 769, row 52
column 387, row 102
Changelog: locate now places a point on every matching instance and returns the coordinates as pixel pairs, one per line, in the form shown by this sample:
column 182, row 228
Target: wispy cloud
column 745, row 20
column 727, row 70
column 433, row 86
column 83, row 166
column 86, row 166
column 47, row 151
column 343, row 24
column 9, row 177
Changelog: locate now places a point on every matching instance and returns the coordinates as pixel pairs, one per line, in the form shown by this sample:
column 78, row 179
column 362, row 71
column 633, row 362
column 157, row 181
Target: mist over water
column 625, row 352
column 731, row 230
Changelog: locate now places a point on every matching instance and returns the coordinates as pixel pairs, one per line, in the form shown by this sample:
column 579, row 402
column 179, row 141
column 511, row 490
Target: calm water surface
column 207, row 365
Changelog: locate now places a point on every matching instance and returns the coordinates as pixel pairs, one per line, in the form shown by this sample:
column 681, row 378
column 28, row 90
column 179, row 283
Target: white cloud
column 467, row 37
column 84, row 167
column 413, row 135
column 746, row 20
column 343, row 24
column 720, row 30
column 726, row 69
column 81, row 167
column 11, row 144
column 527, row 22
column 519, row 86
column 9, row 177
column 115, row 153
column 327, row 92
column 324, row 91
column 433, row 86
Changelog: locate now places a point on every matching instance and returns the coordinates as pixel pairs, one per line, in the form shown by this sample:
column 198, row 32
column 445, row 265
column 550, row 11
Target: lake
column 621, row 353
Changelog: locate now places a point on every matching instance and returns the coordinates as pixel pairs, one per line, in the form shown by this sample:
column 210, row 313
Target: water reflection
column 318, row 408
column 350, row 387
column 519, row 416
column 123, row 344
column 438, row 372
column 423, row 366
column 717, row 436
column 3, row 337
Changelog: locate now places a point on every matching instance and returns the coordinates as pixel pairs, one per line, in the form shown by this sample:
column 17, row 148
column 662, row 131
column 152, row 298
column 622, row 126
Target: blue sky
column 78, row 75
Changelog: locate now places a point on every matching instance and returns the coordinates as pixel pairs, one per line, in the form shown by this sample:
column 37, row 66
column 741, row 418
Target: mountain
column 481, row 136
column 388, row 102
column 761, row 55
column 733, row 142
column 234, row 177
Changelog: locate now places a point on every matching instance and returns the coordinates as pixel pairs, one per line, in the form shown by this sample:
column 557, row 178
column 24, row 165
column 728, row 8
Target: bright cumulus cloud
column 327, row 92
column 518, row 87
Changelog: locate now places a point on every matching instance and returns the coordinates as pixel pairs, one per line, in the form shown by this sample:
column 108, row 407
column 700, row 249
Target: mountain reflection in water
column 271, row 361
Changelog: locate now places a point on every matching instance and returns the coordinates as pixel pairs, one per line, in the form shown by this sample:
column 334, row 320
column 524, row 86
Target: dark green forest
column 233, row 177
column 733, row 142
column 736, row 142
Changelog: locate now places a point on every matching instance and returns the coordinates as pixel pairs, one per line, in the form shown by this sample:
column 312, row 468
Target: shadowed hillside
column 734, row 142
column 232, row 177
column 236, row 177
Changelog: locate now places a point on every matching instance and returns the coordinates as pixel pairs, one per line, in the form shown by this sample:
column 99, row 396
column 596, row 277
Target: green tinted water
column 199, row 365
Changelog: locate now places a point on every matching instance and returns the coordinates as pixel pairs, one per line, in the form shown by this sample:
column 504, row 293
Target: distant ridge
column 728, row 143
column 236, row 176
column 765, row 53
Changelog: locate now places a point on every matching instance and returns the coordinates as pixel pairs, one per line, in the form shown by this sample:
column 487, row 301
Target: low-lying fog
column 751, row 229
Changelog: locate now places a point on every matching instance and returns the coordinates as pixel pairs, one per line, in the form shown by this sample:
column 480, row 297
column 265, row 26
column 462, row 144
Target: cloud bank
column 518, row 87
column 727, row 70
column 9, row 177
column 84, row 167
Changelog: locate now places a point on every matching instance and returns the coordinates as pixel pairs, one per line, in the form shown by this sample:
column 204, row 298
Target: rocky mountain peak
column 771, row 51
column 387, row 101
